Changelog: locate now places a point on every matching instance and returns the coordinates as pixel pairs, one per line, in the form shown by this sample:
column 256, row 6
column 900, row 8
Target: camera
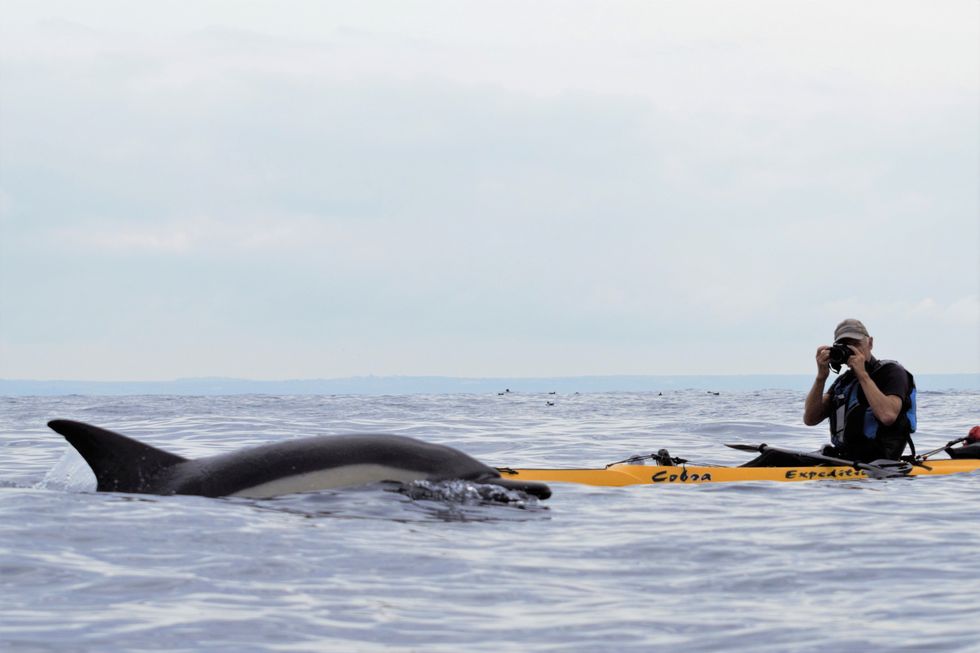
column 839, row 353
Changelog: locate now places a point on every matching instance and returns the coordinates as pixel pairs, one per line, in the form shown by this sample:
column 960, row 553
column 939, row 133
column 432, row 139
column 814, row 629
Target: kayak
column 627, row 473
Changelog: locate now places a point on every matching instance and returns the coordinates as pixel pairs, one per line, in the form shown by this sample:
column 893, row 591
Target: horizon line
column 184, row 379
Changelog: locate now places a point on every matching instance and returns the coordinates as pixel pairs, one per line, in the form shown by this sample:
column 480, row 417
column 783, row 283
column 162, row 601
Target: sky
column 319, row 189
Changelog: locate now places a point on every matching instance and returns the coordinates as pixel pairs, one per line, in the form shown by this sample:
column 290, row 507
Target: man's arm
column 886, row 408
column 817, row 406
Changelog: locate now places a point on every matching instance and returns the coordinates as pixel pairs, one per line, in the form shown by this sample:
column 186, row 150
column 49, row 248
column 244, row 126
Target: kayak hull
column 622, row 474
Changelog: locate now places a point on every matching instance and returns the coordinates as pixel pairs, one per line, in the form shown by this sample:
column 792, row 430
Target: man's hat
column 851, row 329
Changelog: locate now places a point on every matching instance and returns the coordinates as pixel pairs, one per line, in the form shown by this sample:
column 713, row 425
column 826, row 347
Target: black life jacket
column 855, row 430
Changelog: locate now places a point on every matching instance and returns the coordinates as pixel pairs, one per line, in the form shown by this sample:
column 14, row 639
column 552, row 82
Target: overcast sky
column 321, row 189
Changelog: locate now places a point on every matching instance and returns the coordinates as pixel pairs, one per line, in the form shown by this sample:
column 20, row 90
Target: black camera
column 839, row 353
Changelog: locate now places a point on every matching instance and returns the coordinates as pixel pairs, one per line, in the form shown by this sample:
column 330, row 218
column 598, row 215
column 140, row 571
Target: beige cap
column 851, row 329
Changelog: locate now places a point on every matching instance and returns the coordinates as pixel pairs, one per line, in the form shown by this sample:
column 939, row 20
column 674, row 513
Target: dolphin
column 122, row 464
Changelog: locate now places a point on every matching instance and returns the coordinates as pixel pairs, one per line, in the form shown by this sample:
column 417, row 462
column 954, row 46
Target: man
column 871, row 406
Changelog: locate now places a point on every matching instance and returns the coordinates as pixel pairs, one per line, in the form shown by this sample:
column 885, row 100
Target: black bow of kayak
column 875, row 469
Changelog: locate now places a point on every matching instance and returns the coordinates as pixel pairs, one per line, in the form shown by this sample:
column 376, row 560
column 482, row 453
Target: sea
column 856, row 565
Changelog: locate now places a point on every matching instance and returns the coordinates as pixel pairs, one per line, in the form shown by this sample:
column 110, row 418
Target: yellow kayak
column 619, row 474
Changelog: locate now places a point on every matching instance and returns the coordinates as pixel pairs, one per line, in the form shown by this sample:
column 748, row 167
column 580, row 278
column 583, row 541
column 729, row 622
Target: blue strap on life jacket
column 869, row 426
column 910, row 413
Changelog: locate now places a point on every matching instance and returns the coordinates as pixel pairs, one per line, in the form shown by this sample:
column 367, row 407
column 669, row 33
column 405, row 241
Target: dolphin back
column 120, row 464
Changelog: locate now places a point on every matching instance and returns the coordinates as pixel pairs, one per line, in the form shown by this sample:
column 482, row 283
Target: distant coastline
column 397, row 385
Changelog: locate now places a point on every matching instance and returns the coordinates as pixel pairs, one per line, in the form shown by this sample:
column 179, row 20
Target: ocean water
column 864, row 565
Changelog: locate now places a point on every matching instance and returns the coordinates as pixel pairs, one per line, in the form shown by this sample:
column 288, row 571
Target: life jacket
column 853, row 426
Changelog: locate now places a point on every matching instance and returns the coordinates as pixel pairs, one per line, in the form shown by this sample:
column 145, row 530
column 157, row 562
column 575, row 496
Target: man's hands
column 856, row 362
column 817, row 405
column 823, row 362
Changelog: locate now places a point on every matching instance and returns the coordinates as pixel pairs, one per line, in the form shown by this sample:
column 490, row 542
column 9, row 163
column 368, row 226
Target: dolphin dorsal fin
column 120, row 464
